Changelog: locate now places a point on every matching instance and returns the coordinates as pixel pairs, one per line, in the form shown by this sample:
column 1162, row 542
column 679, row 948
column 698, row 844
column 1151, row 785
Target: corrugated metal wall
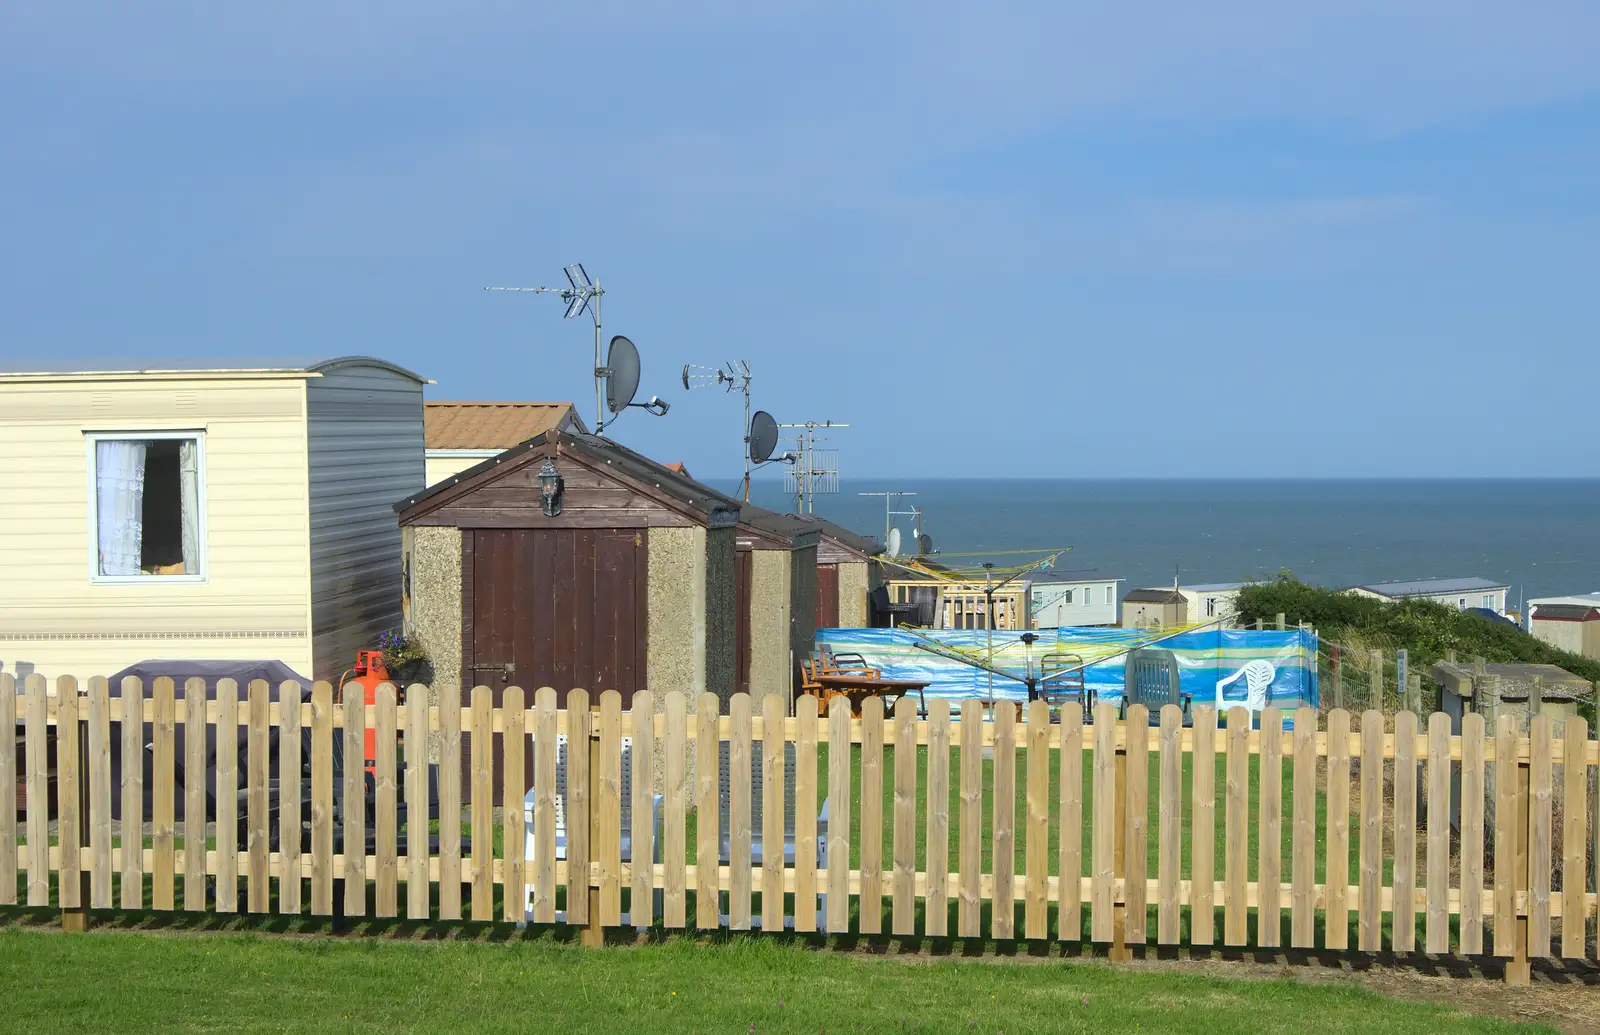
column 366, row 452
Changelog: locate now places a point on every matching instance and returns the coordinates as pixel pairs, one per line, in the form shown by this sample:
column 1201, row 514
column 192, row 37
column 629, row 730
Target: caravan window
column 147, row 506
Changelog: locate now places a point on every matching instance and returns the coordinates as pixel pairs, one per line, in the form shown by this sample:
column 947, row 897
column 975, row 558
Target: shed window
column 1088, row 595
column 147, row 515
column 1488, row 601
column 1066, row 597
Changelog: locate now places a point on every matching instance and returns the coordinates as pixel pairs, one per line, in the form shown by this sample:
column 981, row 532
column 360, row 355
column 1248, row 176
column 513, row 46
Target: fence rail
column 1116, row 820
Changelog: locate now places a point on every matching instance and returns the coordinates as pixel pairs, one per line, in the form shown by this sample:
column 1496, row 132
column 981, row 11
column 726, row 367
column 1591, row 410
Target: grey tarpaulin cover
column 242, row 672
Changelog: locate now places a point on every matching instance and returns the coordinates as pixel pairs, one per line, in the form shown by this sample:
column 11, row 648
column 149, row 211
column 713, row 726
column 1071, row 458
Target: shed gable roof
column 1154, row 596
column 866, row 546
column 674, row 490
column 1565, row 613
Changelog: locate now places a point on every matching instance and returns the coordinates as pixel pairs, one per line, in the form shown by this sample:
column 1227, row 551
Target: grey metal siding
column 365, row 444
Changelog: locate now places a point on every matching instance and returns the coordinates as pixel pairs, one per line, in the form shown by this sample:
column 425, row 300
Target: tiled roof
column 489, row 425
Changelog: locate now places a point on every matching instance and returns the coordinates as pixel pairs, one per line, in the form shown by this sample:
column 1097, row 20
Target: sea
column 1540, row 537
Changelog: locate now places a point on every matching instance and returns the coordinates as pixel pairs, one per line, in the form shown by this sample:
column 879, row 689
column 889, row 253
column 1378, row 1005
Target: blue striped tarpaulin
column 1206, row 657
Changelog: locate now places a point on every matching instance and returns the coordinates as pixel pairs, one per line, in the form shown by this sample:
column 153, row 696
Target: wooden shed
column 847, row 573
column 629, row 583
column 1154, row 609
column 776, row 599
column 632, row 576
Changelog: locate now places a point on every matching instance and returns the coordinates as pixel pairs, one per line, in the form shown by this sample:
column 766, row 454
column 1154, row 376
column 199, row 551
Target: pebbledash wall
column 855, row 582
column 300, row 558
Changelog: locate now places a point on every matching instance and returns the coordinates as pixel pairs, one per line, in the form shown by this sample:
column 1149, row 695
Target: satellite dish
column 924, row 544
column 622, row 374
column 893, row 545
column 763, row 436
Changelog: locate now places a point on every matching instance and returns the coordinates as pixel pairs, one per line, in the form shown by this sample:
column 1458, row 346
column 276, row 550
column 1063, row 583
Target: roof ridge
column 492, row 402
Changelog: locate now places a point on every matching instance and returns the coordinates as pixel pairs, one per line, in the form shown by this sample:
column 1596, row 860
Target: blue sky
column 1230, row 239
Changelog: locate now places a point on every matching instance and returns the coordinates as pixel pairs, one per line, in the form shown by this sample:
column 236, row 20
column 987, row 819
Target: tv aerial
column 891, row 535
column 761, row 431
column 617, row 381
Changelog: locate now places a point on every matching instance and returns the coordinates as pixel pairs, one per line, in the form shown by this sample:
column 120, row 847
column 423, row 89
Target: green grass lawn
column 134, row 982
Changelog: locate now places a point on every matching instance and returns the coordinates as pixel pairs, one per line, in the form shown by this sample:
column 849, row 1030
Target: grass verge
column 132, row 982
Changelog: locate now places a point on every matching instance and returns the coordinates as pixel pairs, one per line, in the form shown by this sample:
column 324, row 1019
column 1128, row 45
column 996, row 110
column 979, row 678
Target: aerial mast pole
column 807, row 473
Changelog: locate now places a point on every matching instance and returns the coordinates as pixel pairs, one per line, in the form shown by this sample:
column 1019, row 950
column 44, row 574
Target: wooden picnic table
column 857, row 687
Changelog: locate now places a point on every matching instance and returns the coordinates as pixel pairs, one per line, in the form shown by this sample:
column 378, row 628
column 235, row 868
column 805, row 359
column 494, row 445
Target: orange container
column 369, row 672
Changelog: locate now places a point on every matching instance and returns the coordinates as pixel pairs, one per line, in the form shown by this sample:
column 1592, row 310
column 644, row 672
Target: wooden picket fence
column 866, row 887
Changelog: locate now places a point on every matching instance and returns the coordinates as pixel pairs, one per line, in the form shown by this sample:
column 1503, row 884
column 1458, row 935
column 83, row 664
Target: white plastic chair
column 1258, row 675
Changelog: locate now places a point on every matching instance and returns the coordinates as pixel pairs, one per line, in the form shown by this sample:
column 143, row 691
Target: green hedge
column 1425, row 628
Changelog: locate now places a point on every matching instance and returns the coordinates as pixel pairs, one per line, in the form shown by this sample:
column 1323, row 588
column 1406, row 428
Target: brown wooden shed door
column 562, row 608
column 827, row 596
column 559, row 607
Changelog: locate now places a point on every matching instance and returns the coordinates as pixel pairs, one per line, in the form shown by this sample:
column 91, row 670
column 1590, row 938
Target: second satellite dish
column 763, row 437
column 924, row 544
column 622, row 374
column 893, row 546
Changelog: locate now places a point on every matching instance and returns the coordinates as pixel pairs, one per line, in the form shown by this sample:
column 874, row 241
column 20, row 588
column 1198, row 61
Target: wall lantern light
column 550, row 486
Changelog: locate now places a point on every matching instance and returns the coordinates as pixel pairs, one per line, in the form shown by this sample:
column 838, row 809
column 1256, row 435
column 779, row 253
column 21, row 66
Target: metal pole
column 599, row 401
column 800, row 476
column 988, row 593
column 747, row 439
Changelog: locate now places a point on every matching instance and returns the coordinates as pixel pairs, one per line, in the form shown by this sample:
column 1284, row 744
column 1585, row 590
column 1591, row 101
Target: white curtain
column 119, row 505
column 189, row 483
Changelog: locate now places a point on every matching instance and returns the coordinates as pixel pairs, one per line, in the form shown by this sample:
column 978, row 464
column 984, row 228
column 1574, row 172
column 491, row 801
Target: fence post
column 1259, row 625
column 594, row 935
column 1119, row 951
column 76, row 918
column 1518, row 970
column 1282, row 624
column 1375, row 679
column 1414, row 693
column 1336, row 672
column 1402, row 679
column 1535, row 700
